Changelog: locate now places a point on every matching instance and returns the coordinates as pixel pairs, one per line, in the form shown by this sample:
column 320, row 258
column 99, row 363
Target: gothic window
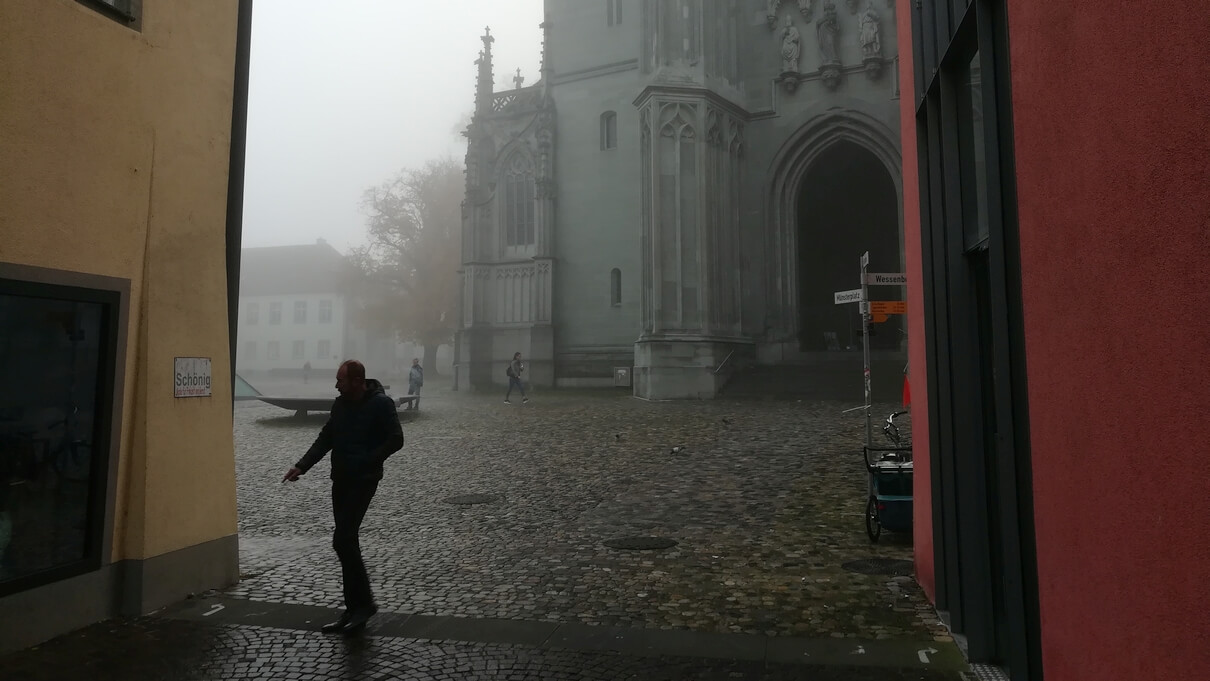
column 615, row 287
column 519, row 198
column 609, row 130
column 614, row 9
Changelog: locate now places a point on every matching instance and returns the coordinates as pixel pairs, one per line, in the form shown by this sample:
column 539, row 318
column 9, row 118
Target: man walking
column 514, row 378
column 415, row 379
column 362, row 431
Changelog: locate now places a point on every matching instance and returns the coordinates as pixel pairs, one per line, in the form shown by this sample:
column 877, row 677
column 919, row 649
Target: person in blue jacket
column 362, row 431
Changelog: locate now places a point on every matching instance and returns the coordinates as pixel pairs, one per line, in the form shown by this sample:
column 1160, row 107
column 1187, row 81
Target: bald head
column 351, row 379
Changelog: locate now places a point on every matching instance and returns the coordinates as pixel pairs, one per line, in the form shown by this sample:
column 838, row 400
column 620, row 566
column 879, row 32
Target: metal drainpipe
column 235, row 175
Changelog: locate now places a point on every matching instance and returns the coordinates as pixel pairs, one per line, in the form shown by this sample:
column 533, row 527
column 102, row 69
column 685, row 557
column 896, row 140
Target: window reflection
column 50, row 362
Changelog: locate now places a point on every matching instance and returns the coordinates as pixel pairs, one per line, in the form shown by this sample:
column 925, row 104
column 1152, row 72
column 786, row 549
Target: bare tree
column 408, row 273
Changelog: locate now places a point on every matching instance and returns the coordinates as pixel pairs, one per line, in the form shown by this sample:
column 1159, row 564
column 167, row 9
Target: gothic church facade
column 681, row 193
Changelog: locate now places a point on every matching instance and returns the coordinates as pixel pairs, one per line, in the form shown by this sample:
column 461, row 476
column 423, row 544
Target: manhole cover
column 880, row 566
column 640, row 543
column 469, row 499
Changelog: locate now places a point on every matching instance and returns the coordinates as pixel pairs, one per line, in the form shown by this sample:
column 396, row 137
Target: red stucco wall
column 1112, row 112
column 922, row 488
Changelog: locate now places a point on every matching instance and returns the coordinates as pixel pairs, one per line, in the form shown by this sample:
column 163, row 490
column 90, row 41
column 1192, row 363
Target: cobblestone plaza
column 764, row 500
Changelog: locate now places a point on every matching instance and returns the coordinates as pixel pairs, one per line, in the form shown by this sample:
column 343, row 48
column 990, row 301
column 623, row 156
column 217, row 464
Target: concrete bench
column 302, row 405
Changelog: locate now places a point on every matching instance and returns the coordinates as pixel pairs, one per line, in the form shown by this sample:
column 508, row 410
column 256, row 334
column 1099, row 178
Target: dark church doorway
column 847, row 205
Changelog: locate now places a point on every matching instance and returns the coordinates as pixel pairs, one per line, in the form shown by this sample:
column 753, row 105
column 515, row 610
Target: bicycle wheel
column 873, row 528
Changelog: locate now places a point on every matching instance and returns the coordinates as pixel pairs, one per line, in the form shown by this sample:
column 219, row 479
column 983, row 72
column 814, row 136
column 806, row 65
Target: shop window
column 58, row 347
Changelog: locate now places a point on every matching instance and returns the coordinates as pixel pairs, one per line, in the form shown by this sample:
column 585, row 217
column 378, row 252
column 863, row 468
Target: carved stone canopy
column 805, row 7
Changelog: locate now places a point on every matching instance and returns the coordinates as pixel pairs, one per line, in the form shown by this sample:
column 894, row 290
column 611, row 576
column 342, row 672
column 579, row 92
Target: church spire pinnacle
column 484, row 87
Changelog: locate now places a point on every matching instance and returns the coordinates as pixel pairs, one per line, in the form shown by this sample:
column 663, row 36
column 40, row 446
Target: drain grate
column 880, row 566
column 641, row 543
column 987, row 672
column 470, row 499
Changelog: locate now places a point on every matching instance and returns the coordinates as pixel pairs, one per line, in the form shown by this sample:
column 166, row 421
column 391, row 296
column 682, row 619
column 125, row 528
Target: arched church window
column 614, row 9
column 519, row 202
column 609, row 130
column 615, row 287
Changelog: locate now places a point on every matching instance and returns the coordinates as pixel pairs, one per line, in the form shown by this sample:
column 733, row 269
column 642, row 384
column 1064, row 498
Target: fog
column 342, row 98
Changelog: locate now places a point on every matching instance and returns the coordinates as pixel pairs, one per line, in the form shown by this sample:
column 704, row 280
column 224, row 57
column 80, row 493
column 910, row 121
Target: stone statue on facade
column 871, row 41
column 826, row 30
column 771, row 7
column 852, row 5
column 805, row 8
column 791, row 47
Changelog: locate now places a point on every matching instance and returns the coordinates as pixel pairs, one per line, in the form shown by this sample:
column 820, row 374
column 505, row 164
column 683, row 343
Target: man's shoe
column 337, row 626
column 506, row 401
column 359, row 618
column 524, row 400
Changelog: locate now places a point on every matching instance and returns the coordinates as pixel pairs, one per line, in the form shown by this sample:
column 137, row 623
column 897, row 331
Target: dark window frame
column 129, row 14
column 615, row 287
column 105, row 436
column 967, row 464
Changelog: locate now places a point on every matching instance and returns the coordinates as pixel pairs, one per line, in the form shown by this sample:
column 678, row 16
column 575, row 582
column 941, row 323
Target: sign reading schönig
column 192, row 377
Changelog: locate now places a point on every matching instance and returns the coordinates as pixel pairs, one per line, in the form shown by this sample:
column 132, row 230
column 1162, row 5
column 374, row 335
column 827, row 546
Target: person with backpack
column 415, row 379
column 513, row 372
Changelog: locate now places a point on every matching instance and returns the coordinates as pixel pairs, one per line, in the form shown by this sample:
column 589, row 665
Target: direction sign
column 881, row 307
column 886, row 279
column 843, row 297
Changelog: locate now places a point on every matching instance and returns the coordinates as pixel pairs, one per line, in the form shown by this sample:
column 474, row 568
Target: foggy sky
column 343, row 95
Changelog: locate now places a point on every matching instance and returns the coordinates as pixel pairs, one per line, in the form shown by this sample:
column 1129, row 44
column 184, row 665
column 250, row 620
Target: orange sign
column 885, row 307
column 879, row 318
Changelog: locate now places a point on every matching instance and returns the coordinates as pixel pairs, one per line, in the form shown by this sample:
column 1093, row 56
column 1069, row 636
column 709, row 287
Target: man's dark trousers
column 350, row 500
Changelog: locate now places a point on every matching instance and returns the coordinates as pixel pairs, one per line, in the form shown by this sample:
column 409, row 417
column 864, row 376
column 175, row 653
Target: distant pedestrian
column 415, row 380
column 513, row 371
column 362, row 431
column 306, row 372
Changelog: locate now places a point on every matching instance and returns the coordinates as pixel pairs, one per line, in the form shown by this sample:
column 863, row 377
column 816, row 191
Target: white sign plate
column 843, row 297
column 191, row 377
column 886, row 279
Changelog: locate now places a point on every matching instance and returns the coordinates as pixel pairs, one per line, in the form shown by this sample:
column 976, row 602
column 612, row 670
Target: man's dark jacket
column 360, row 435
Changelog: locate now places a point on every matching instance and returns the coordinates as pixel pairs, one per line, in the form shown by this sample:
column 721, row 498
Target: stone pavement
column 764, row 502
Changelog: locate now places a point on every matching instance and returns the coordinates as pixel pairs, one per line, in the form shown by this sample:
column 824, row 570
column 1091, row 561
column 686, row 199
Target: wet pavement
column 764, row 500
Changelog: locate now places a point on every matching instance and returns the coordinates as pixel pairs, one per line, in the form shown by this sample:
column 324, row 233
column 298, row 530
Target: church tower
column 692, row 142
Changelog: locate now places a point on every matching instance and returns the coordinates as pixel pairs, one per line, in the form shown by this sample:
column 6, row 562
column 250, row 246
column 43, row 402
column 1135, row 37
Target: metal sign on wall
column 191, row 377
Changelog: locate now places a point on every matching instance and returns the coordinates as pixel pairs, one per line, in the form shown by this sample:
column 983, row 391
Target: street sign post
column 865, row 345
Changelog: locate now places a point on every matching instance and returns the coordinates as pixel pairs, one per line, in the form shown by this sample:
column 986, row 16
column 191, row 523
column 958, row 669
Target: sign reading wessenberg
column 192, row 377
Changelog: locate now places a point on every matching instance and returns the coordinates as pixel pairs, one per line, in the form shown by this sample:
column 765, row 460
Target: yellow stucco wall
column 115, row 145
